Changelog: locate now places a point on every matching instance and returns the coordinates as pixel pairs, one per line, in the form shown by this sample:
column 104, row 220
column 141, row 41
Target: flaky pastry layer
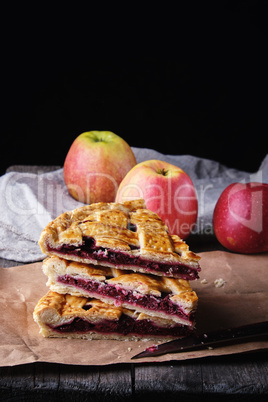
column 156, row 296
column 78, row 317
column 125, row 236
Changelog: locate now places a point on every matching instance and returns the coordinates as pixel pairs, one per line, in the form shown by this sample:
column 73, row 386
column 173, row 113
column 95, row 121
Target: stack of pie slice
column 114, row 272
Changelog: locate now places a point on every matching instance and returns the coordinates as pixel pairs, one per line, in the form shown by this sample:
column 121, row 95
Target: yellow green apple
column 167, row 191
column 95, row 165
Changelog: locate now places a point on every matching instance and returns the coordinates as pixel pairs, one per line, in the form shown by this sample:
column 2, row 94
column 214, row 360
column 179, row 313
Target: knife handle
column 245, row 331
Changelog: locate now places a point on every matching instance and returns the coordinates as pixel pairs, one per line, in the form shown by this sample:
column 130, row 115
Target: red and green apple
column 95, row 165
column 240, row 218
column 167, row 191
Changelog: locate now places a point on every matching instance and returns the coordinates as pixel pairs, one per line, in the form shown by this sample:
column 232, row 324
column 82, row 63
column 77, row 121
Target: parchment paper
column 242, row 300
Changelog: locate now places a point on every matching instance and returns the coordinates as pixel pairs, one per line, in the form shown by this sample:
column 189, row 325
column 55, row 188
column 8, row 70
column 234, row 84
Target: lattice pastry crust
column 78, row 317
column 153, row 295
column 124, row 236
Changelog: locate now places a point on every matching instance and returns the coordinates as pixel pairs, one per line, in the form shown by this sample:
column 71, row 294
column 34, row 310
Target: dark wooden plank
column 111, row 383
column 238, row 377
column 115, row 382
column 21, row 376
column 29, row 382
column 243, row 377
column 168, row 381
column 46, row 376
column 55, row 382
column 78, row 379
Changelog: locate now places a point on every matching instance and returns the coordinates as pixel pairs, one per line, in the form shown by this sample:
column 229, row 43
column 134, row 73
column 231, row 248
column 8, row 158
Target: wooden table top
column 236, row 377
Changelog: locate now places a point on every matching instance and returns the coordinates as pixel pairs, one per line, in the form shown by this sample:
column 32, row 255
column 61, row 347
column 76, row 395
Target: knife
column 205, row 340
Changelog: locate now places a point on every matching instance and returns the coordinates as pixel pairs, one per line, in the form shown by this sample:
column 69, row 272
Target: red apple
column 240, row 218
column 96, row 163
column 167, row 191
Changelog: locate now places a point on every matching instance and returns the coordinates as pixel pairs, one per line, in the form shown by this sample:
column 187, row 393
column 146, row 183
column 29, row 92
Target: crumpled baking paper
column 28, row 202
column 241, row 300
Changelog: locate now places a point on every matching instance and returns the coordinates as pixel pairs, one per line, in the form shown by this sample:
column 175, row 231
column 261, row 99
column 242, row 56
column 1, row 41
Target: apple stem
column 98, row 139
column 163, row 171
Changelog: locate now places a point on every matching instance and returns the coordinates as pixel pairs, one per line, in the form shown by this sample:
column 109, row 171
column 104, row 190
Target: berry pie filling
column 119, row 259
column 129, row 298
column 126, row 325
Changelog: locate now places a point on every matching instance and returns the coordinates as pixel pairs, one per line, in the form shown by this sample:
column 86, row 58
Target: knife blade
column 194, row 342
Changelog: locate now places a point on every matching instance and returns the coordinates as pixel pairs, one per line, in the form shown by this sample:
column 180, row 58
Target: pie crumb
column 219, row 282
column 204, row 281
column 129, row 349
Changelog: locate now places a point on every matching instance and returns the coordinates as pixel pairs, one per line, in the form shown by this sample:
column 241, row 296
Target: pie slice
column 125, row 236
column 67, row 316
column 158, row 296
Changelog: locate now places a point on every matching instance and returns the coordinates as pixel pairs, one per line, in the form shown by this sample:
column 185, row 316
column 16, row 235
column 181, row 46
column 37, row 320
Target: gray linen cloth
column 28, row 202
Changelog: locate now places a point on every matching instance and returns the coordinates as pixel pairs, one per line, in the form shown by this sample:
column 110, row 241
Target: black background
column 182, row 82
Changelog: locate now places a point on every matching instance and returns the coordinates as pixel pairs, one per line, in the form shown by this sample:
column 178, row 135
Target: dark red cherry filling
column 120, row 295
column 119, row 258
column 124, row 326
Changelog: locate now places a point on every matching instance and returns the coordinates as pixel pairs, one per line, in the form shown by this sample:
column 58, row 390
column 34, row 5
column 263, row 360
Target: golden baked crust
column 56, row 310
column 89, row 280
column 128, row 228
column 59, row 309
